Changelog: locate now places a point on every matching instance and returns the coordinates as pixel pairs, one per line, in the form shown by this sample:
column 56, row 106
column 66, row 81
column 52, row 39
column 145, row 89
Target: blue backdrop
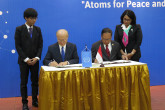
column 84, row 21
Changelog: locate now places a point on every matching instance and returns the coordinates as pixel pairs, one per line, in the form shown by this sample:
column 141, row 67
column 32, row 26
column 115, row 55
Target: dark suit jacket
column 115, row 52
column 53, row 53
column 27, row 46
column 134, row 40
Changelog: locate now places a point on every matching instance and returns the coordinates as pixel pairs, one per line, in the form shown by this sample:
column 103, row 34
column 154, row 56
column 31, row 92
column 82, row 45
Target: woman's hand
column 129, row 55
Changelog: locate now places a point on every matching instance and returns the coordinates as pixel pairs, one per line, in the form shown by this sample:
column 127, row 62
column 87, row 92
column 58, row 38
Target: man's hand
column 63, row 63
column 124, row 57
column 53, row 63
column 96, row 61
column 29, row 62
column 34, row 60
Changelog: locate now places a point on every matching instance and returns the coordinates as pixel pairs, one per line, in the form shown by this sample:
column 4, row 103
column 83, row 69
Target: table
column 118, row 86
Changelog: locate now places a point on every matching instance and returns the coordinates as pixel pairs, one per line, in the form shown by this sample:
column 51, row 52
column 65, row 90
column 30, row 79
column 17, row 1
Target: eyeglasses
column 127, row 20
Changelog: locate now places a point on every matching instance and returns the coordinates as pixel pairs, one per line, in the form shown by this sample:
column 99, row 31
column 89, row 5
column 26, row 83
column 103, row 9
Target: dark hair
column 130, row 14
column 30, row 12
column 106, row 30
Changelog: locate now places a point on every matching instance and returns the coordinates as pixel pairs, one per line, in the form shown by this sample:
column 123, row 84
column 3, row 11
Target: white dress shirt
column 60, row 47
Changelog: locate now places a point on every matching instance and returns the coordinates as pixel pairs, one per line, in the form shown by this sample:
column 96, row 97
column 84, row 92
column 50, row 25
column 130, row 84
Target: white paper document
column 94, row 65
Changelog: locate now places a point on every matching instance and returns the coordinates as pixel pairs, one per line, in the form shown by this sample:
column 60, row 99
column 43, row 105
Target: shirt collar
column 124, row 27
column 108, row 45
column 62, row 46
column 28, row 26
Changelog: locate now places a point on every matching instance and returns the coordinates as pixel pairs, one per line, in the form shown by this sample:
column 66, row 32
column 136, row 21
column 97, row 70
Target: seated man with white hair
column 62, row 52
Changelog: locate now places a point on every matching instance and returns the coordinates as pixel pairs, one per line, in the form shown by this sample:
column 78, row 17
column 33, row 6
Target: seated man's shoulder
column 115, row 43
column 71, row 44
column 53, row 45
column 96, row 43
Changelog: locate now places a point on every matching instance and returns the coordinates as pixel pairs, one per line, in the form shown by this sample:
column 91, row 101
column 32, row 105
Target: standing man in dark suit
column 29, row 43
column 61, row 53
column 110, row 49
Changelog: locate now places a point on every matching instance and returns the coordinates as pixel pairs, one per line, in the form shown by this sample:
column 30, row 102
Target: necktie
column 30, row 31
column 63, row 54
column 107, row 51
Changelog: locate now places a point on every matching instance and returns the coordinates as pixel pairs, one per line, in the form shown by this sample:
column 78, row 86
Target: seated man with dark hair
column 110, row 49
column 61, row 53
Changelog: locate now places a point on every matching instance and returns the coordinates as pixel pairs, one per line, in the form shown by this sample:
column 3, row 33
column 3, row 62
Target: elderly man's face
column 106, row 38
column 62, row 37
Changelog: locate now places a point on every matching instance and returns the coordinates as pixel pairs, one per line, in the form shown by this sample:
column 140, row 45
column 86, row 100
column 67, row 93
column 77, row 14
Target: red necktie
column 107, row 50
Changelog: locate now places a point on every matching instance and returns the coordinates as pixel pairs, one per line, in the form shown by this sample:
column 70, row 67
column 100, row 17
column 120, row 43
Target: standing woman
column 129, row 35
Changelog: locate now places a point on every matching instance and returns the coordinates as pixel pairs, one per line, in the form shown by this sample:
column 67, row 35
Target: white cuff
column 25, row 60
column 49, row 63
column 37, row 58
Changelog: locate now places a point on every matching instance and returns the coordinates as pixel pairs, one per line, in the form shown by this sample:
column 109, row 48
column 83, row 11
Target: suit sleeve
column 40, row 45
column 138, row 37
column 75, row 58
column 116, row 36
column 119, row 53
column 18, row 43
column 47, row 58
column 94, row 52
